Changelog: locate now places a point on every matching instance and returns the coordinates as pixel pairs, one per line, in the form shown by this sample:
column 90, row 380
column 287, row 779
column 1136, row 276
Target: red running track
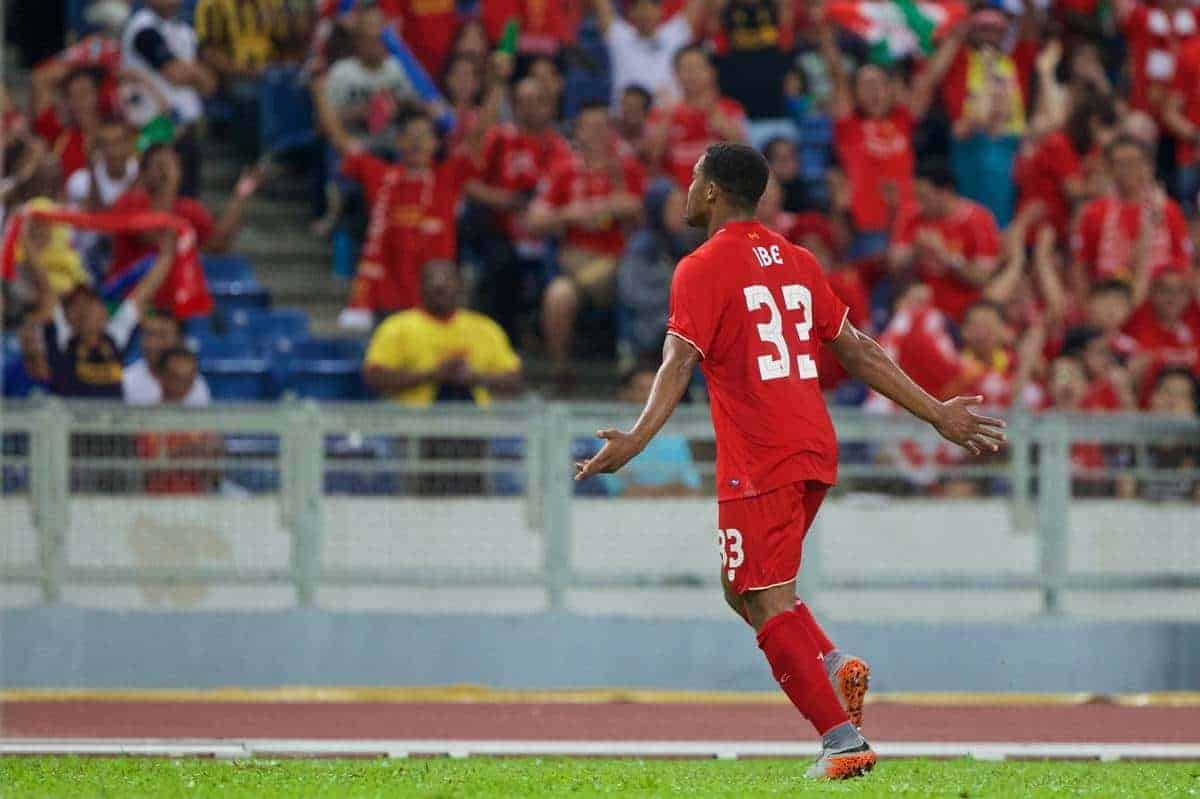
column 1088, row 723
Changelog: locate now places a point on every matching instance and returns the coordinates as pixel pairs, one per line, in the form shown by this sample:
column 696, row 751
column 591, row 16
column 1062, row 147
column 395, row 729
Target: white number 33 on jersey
column 795, row 298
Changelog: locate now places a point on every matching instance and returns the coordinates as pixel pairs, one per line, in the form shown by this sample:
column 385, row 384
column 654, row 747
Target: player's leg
column 760, row 541
column 849, row 675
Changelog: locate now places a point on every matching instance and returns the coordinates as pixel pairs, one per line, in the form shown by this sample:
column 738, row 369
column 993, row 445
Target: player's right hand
column 973, row 432
column 619, row 449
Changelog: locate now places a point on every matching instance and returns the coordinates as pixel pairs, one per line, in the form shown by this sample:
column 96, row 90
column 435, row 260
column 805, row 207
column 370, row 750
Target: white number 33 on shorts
column 729, row 542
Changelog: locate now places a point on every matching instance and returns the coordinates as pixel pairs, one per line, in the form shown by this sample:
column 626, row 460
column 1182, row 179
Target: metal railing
column 301, row 455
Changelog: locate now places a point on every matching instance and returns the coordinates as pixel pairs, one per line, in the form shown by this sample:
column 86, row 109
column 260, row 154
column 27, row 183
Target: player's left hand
column 973, row 432
column 619, row 449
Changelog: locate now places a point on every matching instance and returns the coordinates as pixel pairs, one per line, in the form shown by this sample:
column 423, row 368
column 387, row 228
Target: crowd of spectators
column 1005, row 192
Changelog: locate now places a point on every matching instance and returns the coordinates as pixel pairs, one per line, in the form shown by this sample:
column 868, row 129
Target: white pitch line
column 722, row 750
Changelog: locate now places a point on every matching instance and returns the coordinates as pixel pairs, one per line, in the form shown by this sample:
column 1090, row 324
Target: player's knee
column 764, row 605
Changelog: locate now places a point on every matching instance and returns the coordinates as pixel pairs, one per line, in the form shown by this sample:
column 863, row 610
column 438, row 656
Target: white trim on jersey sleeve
column 682, row 337
column 842, row 326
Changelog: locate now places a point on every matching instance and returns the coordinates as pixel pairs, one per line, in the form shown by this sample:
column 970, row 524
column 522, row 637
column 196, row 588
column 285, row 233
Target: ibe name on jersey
column 768, row 255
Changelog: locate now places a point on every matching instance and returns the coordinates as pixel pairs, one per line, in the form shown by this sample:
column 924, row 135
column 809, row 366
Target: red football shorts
column 761, row 537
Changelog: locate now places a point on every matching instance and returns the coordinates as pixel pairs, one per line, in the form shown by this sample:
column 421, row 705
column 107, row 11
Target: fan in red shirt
column 1108, row 227
column 1154, row 34
column 815, row 233
column 873, row 134
column 411, row 219
column 1182, row 118
column 948, row 242
column 1161, row 326
column 544, row 24
column 588, row 199
column 680, row 133
column 429, row 28
column 501, row 183
column 1048, row 170
column 67, row 131
column 515, row 156
column 158, row 189
column 751, row 309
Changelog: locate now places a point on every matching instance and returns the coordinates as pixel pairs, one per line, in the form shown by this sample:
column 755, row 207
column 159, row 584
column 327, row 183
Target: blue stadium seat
column 238, row 378
column 208, row 344
column 229, row 294
column 226, row 267
column 328, row 369
column 270, row 325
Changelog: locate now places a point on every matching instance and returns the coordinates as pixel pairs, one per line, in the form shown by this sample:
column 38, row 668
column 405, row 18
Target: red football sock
column 814, row 630
column 797, row 667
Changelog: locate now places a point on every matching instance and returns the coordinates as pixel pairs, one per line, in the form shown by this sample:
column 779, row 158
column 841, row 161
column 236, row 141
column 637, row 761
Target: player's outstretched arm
column 679, row 360
column 953, row 419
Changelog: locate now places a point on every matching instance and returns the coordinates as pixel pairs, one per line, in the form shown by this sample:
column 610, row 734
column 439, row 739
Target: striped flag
column 896, row 28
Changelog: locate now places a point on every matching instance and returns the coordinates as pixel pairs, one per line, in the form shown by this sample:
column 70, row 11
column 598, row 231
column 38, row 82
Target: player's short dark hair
column 1111, row 285
column 683, row 51
column 1125, row 140
column 739, row 170
column 936, row 171
column 639, row 90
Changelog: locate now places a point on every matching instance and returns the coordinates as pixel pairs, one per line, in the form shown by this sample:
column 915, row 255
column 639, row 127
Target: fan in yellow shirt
column 441, row 352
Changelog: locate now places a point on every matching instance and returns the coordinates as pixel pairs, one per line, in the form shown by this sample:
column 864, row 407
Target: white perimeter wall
column 856, row 536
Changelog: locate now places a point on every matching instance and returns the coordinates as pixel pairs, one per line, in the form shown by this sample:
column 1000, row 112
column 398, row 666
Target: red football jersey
column 874, row 152
column 756, row 307
column 572, row 181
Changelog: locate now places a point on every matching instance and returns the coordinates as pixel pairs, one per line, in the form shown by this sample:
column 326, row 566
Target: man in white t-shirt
column 111, row 170
column 142, row 381
column 641, row 48
column 359, row 94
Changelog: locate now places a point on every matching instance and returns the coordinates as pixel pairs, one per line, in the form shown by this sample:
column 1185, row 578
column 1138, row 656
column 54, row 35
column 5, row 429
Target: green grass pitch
column 69, row 777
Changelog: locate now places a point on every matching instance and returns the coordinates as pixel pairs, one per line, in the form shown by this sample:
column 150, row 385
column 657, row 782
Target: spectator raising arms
column 412, row 206
column 69, row 126
column 588, row 199
column 984, row 93
column 159, row 189
column 84, row 347
column 642, row 45
column 163, row 49
column 683, row 130
column 873, row 134
column 440, row 352
column 947, row 241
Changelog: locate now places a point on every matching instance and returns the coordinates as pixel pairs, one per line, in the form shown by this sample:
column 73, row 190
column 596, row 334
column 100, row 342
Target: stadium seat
column 328, row 369
column 246, row 378
column 273, row 326
column 248, row 293
column 226, row 267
